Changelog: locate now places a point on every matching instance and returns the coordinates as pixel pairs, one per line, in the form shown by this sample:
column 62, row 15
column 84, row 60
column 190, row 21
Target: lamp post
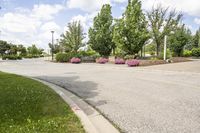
column 52, row 45
column 165, row 45
column 165, row 48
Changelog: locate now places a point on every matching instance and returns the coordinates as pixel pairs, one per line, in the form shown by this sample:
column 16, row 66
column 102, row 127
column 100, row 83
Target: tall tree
column 33, row 50
column 162, row 22
column 13, row 49
column 56, row 48
column 4, row 46
column 196, row 39
column 22, row 50
column 72, row 40
column 130, row 32
column 178, row 40
column 100, row 35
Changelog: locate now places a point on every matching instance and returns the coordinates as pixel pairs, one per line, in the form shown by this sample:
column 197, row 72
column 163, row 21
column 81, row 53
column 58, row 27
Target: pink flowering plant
column 119, row 61
column 75, row 60
column 102, row 60
column 132, row 62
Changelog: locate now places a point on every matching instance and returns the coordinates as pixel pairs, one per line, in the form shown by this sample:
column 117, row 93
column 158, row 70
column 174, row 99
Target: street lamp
column 52, row 45
column 165, row 46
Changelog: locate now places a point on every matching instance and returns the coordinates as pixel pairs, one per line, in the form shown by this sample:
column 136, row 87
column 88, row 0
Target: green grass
column 28, row 106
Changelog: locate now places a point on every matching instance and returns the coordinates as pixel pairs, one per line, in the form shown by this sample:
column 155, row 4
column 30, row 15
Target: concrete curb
column 92, row 120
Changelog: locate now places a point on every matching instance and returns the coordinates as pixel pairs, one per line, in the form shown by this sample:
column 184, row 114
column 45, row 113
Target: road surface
column 156, row 99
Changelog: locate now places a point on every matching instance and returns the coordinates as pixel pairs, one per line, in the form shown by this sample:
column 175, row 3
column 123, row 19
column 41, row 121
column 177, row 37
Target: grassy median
column 28, row 106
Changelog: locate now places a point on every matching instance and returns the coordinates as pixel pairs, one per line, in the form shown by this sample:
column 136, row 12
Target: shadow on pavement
column 87, row 90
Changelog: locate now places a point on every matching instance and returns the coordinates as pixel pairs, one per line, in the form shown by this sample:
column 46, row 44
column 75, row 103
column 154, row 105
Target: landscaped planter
column 102, row 60
column 88, row 59
column 75, row 60
column 132, row 62
column 119, row 61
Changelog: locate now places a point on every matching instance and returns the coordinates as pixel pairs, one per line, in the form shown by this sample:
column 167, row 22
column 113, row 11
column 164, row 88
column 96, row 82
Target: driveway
column 156, row 99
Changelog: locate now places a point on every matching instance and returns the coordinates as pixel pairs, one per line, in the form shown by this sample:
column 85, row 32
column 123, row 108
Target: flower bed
column 132, row 62
column 119, row 61
column 102, row 60
column 75, row 60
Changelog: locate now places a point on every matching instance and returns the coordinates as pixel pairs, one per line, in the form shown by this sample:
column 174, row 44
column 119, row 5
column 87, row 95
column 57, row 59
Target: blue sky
column 30, row 21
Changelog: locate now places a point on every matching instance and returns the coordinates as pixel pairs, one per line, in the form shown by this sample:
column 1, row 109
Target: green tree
column 178, row 40
column 100, row 35
column 196, row 39
column 56, row 48
column 33, row 50
column 162, row 22
column 130, row 32
column 13, row 49
column 22, row 50
column 72, row 40
column 4, row 46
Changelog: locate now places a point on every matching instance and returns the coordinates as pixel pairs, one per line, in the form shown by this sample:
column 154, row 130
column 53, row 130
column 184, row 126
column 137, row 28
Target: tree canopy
column 130, row 32
column 100, row 35
column 162, row 21
column 72, row 39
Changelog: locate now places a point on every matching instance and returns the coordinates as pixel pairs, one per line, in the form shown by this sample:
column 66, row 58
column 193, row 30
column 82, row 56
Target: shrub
column 128, row 57
column 28, row 56
column 19, row 57
column 132, row 62
column 87, row 53
column 196, row 52
column 63, row 57
column 154, row 58
column 119, row 61
column 102, row 60
column 187, row 53
column 11, row 57
column 169, row 55
column 75, row 60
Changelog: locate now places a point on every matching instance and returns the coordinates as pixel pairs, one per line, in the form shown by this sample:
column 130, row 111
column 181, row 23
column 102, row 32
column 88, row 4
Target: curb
column 92, row 120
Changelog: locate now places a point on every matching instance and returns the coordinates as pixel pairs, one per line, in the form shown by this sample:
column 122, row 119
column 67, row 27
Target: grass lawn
column 28, row 106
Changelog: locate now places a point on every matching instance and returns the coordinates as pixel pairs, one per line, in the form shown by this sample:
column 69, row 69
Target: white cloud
column 190, row 7
column 27, row 26
column 119, row 1
column 49, row 26
column 46, row 12
column 87, row 5
column 197, row 21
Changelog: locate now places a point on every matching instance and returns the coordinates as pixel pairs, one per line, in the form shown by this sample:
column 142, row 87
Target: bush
column 11, row 57
column 28, row 56
column 196, row 52
column 87, row 53
column 132, row 62
column 75, row 60
column 128, row 57
column 119, row 61
column 63, row 57
column 169, row 55
column 102, row 60
column 187, row 53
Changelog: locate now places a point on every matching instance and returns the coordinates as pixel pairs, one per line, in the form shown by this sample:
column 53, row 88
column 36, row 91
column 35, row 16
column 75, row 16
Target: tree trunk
column 157, row 50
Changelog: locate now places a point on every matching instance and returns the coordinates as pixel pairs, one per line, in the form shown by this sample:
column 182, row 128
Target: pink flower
column 119, row 61
column 75, row 60
column 132, row 62
column 102, row 60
